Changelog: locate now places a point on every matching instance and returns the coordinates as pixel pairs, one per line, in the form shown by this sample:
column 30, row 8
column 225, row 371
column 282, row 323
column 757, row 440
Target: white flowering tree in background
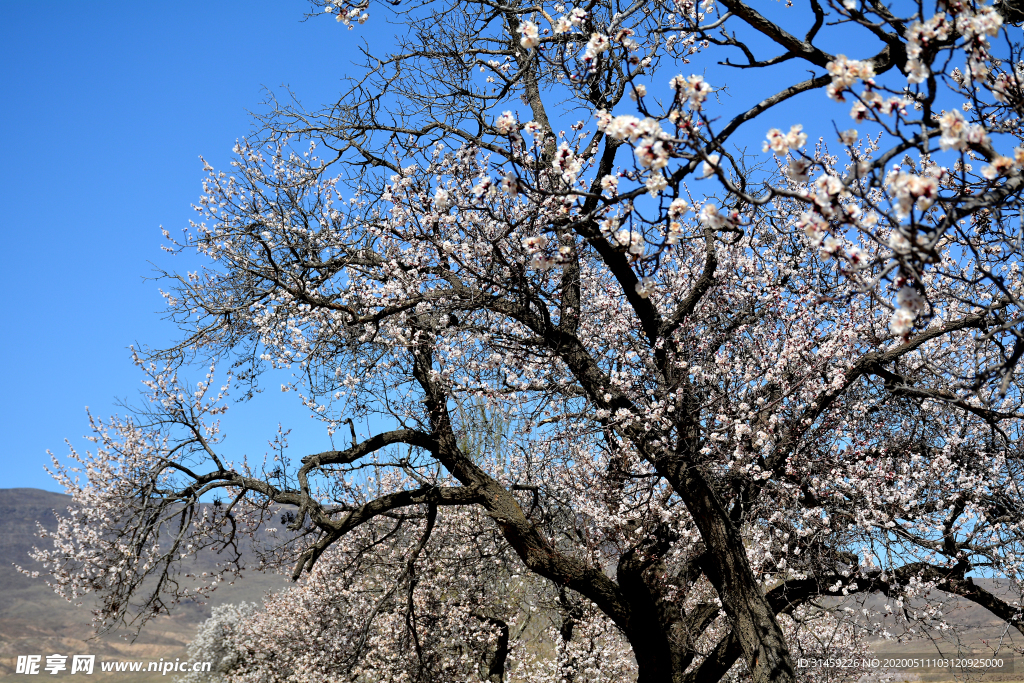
column 736, row 389
column 216, row 642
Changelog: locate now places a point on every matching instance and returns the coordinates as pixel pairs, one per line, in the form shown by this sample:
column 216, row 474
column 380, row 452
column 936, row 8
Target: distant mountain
column 36, row 621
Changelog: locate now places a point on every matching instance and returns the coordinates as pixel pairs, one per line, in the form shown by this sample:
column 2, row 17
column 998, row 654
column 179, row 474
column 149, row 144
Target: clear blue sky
column 106, row 108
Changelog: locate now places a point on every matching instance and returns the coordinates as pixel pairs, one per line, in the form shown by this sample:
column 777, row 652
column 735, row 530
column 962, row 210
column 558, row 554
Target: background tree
column 216, row 641
column 733, row 386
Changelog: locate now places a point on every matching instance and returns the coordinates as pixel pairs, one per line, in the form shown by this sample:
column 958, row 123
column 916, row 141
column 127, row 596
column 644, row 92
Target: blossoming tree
column 735, row 390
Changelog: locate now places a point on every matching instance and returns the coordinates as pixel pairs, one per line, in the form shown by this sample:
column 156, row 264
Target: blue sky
column 107, row 107
column 106, row 111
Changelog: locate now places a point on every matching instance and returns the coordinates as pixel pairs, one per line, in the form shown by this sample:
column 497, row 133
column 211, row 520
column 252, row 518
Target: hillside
column 34, row 620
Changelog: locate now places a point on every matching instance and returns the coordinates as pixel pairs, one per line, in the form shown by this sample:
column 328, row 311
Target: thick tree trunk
column 755, row 626
column 648, row 635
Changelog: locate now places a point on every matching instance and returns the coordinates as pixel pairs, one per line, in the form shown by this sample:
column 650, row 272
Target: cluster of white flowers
column 565, row 23
column 909, row 304
column 506, row 123
column 999, row 166
column 562, row 25
column 713, row 218
column 655, row 183
column 957, row 134
column 798, row 169
column 976, row 27
column 539, row 260
column 709, row 166
column 645, row 287
column 442, row 200
column 567, row 163
column 510, row 183
column 597, row 44
column 871, row 100
column 828, row 189
column 1005, row 88
column 814, row 226
column 531, row 35
column 912, row 190
column 899, row 243
column 627, row 127
column 780, row 143
column 346, row 17
column 623, row 38
column 534, row 243
column 693, row 90
column 675, row 232
column 608, row 227
column 678, row 207
column 653, row 150
column 484, row 187
column 543, row 262
column 216, row 641
column 845, row 73
column 653, row 153
column 919, row 36
column 632, row 241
